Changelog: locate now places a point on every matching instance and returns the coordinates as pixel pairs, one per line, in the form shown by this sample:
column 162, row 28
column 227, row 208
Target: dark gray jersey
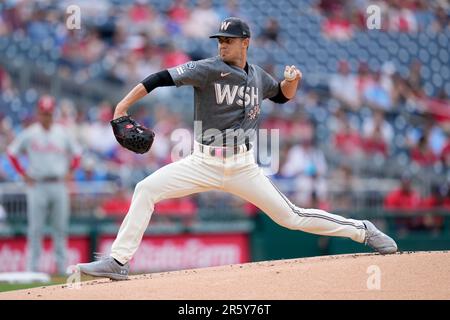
column 227, row 100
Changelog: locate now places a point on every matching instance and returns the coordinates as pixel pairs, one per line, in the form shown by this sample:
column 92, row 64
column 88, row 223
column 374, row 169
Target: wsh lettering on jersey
column 234, row 94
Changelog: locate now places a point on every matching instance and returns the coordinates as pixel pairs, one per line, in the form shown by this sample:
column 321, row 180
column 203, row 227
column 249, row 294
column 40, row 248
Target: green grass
column 4, row 286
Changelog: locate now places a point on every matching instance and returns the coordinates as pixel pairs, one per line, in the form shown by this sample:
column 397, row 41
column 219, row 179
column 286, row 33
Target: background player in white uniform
column 52, row 156
column 228, row 93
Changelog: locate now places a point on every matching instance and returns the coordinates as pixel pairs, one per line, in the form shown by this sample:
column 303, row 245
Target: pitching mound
column 413, row 275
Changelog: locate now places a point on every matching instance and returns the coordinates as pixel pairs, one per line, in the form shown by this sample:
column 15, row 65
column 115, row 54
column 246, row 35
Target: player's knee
column 289, row 221
column 142, row 188
column 146, row 189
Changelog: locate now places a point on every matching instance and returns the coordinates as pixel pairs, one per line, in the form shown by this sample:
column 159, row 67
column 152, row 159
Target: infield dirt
column 407, row 275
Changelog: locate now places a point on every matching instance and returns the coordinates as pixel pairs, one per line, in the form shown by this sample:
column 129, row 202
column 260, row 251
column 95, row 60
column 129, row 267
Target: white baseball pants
column 238, row 174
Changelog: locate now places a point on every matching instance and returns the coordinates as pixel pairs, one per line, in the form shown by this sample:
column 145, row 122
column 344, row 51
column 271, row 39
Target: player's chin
column 227, row 60
column 224, row 56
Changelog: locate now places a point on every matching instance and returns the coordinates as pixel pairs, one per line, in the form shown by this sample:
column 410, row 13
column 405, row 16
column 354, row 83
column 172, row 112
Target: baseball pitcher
column 228, row 93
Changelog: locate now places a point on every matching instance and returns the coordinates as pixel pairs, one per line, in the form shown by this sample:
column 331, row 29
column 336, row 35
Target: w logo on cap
column 224, row 25
column 233, row 27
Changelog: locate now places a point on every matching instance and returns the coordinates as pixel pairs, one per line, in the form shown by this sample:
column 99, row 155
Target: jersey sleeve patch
column 180, row 70
column 185, row 67
column 191, row 65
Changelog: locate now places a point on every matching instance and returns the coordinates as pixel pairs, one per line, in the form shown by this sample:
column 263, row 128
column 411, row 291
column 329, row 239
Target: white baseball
column 290, row 73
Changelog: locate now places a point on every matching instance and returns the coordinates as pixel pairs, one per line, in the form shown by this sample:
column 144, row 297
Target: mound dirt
column 406, row 275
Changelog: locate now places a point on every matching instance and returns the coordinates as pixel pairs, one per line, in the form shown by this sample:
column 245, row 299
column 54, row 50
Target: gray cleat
column 377, row 240
column 105, row 267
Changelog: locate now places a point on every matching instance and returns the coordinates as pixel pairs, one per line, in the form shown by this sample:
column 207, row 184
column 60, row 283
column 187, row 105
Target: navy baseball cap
column 233, row 28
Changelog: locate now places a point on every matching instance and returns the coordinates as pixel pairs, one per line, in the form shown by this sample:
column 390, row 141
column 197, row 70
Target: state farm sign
column 13, row 254
column 157, row 253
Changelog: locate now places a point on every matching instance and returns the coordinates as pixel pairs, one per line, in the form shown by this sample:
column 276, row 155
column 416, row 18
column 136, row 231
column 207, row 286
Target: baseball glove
column 132, row 135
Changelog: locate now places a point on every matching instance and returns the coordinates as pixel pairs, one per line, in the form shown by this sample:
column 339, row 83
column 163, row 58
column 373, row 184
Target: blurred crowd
column 131, row 39
column 371, row 118
column 343, row 18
